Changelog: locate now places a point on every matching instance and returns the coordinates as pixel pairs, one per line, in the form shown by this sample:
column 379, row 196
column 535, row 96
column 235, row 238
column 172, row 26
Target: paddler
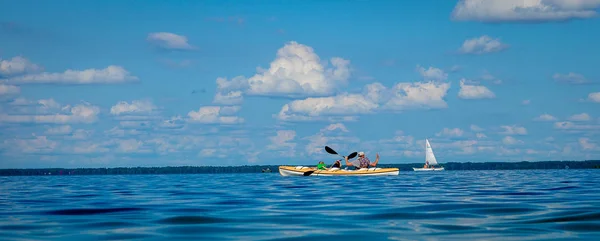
column 337, row 164
column 363, row 161
column 321, row 166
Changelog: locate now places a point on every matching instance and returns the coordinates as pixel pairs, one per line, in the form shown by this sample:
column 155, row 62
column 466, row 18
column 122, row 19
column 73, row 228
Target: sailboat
column 429, row 158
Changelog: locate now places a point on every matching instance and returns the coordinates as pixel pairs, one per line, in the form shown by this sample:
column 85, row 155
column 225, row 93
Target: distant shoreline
column 450, row 166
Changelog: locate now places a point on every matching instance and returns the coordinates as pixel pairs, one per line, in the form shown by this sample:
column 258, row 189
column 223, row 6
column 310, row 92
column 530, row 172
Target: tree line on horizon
column 589, row 164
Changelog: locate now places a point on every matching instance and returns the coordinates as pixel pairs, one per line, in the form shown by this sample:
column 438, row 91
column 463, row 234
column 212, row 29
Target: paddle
column 331, row 151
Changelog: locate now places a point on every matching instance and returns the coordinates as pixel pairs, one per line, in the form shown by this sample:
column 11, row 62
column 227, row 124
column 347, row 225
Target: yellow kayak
column 312, row 171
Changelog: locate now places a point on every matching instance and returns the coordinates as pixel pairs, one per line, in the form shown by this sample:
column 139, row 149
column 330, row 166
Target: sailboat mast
column 426, row 142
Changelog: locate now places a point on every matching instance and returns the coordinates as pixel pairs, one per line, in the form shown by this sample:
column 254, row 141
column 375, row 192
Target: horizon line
column 414, row 163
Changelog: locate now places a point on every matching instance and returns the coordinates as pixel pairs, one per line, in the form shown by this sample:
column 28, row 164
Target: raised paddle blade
column 352, row 155
column 330, row 151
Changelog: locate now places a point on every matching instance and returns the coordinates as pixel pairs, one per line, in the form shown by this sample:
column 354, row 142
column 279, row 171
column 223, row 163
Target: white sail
column 429, row 156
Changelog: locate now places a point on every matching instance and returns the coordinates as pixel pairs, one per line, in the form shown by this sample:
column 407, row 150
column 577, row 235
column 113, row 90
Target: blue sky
column 121, row 83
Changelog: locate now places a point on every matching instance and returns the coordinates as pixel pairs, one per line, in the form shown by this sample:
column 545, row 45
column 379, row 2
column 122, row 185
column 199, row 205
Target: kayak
column 301, row 170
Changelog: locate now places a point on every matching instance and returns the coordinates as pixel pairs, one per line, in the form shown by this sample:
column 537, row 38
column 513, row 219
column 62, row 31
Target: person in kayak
column 321, row 166
column 363, row 161
column 336, row 164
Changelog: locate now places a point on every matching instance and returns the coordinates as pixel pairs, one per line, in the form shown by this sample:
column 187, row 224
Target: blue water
column 449, row 205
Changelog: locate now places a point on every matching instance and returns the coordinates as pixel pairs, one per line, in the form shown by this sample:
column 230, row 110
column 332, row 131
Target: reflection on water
column 450, row 205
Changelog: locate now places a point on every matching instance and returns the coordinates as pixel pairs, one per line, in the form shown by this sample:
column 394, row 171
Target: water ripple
column 451, row 205
column 90, row 211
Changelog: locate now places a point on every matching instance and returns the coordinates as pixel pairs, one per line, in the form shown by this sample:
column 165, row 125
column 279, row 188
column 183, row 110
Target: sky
column 171, row 83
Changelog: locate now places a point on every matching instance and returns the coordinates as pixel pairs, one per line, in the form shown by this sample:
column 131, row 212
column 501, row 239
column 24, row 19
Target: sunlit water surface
column 448, row 205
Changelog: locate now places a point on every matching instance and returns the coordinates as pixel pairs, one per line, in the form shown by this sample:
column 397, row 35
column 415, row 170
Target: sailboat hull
column 427, row 169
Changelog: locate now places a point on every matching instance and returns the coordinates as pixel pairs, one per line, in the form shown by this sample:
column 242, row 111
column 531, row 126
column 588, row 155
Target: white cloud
column 66, row 132
column 119, row 132
column 136, row 107
column 316, row 144
column 110, row 75
column 170, row 41
column 454, row 132
column 129, row 145
column 341, row 105
column 39, row 144
column 139, row 125
column 237, row 83
column 175, row 122
column 229, row 98
column 514, row 130
column 81, row 134
column 227, row 144
column 375, row 97
column 81, row 113
column 400, row 145
column 526, row 102
column 476, row 128
column 87, row 148
column 487, row 148
column 403, row 138
column 334, row 135
column 17, row 66
column 482, row 45
column 545, row 117
column 296, row 72
column 480, row 136
column 20, row 101
column 283, row 140
column 313, row 108
column 580, row 117
column 336, row 126
column 594, row 97
column 37, row 107
column 61, row 130
column 415, row 95
column 455, row 68
column 531, row 152
column 229, row 110
column 524, row 10
column 148, row 116
column 489, row 77
column 474, row 91
column 432, row 73
column 586, row 144
column 215, row 115
column 9, row 90
column 570, row 78
column 465, row 147
column 209, row 152
column 509, row 140
column 49, row 104
column 570, row 126
column 503, row 151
